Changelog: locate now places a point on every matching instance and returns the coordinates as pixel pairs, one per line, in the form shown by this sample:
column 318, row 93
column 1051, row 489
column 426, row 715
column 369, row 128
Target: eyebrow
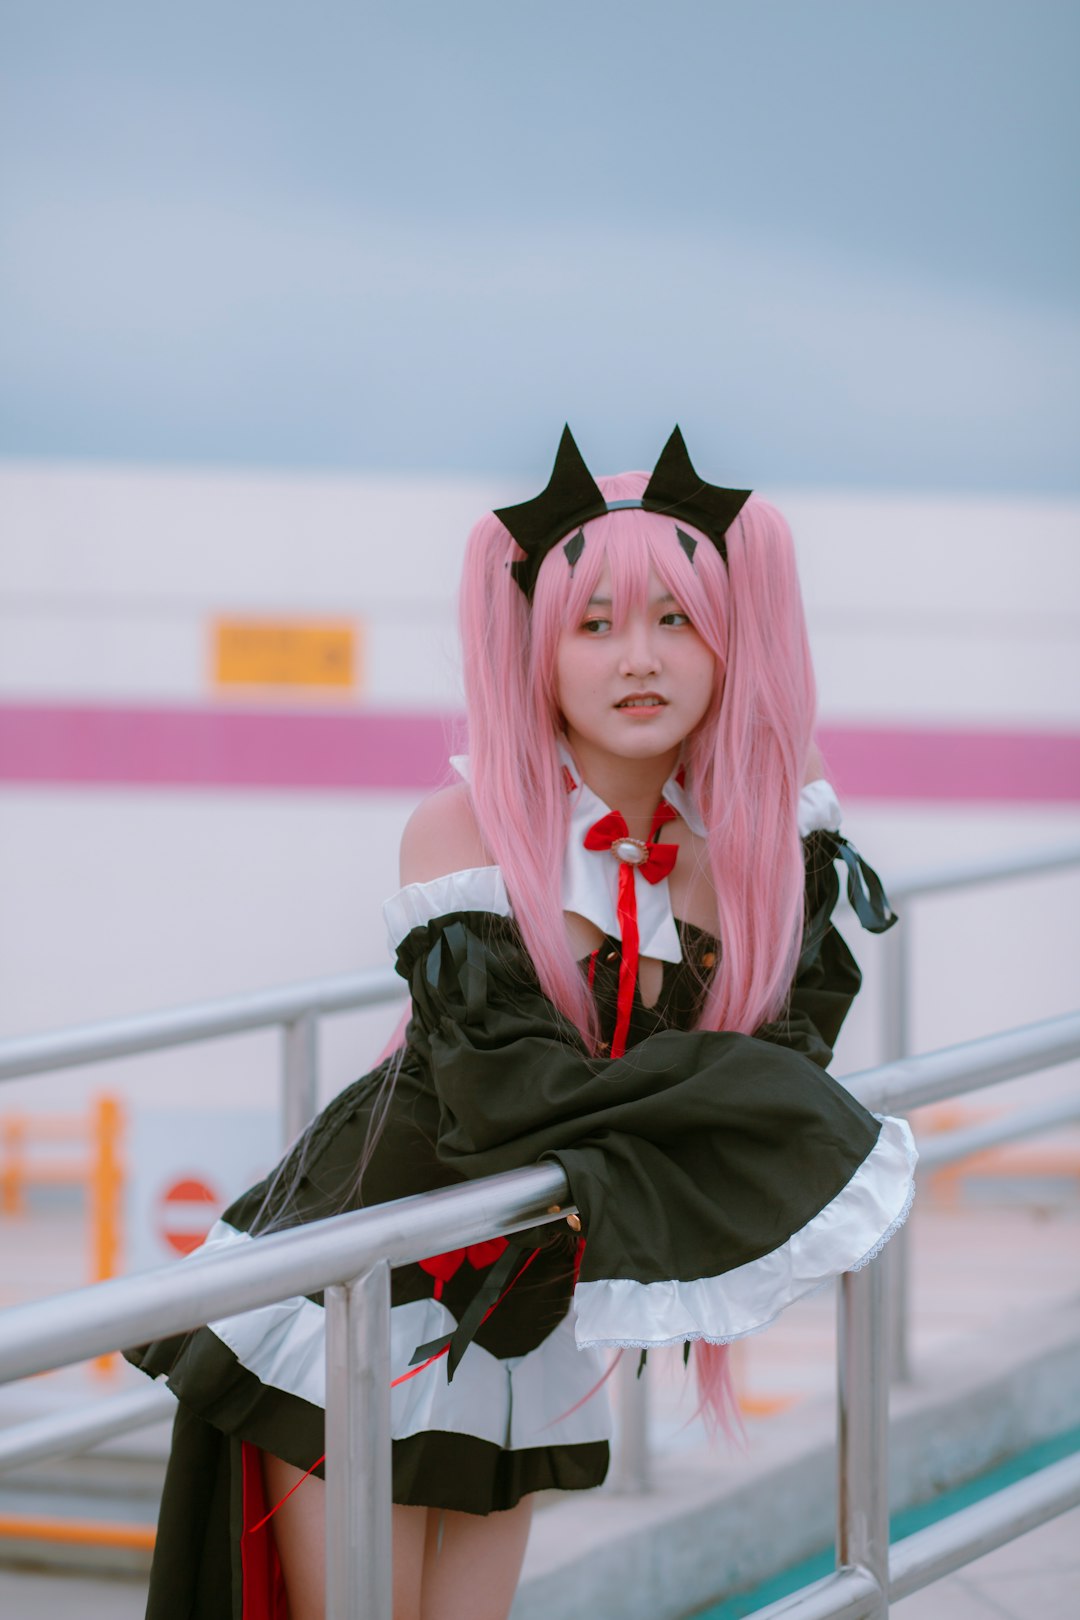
column 658, row 601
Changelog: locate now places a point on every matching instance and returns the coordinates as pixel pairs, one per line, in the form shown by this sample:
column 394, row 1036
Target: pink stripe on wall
column 321, row 751
column 946, row 765
column 223, row 747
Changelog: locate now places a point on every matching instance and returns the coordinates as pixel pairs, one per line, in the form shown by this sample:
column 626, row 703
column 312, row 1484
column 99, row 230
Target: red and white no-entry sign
column 187, row 1210
column 185, row 1166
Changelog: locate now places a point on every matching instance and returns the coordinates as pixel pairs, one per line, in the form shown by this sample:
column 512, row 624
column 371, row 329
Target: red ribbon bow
column 658, row 863
column 444, row 1266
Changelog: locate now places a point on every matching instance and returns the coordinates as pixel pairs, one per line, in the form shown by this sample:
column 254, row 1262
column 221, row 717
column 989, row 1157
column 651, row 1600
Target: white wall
column 122, row 900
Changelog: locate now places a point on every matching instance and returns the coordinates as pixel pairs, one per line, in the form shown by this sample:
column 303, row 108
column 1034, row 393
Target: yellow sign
column 282, row 652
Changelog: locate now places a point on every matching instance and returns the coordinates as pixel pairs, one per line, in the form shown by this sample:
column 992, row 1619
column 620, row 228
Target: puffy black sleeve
column 827, row 979
column 728, row 1169
column 513, row 1077
column 693, row 1156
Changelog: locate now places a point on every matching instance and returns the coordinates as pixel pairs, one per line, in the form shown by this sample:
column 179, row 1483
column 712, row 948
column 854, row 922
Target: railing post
column 896, row 1007
column 299, row 1076
column 896, row 1044
column 862, row 1527
column 630, row 1464
column 359, row 1566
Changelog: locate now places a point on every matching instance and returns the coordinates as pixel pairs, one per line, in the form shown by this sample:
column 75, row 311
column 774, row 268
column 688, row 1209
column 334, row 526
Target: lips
column 641, row 700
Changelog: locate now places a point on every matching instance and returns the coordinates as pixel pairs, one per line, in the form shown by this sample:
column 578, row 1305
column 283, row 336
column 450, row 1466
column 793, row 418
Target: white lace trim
column 892, row 1230
column 844, row 1236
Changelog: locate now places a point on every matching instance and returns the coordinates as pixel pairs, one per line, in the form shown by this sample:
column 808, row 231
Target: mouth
column 642, row 700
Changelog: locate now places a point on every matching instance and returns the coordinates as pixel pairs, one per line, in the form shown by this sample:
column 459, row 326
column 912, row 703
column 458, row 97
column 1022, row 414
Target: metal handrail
column 932, row 1076
column 297, row 1008
column 174, row 1298
column 63, row 1434
column 24, row 1055
column 992, row 869
column 294, row 1008
column 362, row 1246
column 949, row 1146
column 896, row 1037
column 197, row 1021
column 938, row 1550
column 971, row 1532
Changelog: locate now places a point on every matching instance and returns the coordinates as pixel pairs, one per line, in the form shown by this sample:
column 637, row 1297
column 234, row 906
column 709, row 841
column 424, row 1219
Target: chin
column 645, row 746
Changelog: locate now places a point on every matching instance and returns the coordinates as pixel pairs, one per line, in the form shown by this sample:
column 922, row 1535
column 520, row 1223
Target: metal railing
column 296, row 1010
column 350, row 1257
column 896, row 1041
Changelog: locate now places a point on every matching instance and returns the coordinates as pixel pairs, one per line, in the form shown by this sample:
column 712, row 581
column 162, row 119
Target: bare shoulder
column 815, row 765
column 442, row 836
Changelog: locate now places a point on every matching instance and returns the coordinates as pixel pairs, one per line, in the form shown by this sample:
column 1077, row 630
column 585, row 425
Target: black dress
column 718, row 1177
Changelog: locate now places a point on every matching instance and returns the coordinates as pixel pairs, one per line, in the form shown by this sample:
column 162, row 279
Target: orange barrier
column 18, row 1132
column 99, row 1171
column 81, row 1532
column 756, row 1403
column 1022, row 1160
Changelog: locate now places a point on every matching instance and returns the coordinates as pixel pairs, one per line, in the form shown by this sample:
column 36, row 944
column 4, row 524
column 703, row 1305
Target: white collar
column 590, row 878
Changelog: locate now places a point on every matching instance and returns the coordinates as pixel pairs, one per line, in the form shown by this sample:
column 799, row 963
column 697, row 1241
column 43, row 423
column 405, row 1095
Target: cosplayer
column 616, row 932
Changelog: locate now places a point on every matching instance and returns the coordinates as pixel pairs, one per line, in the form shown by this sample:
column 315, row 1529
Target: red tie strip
column 658, row 861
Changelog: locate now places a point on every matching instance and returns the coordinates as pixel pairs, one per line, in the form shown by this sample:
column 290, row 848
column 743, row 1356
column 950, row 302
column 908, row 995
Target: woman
column 642, row 785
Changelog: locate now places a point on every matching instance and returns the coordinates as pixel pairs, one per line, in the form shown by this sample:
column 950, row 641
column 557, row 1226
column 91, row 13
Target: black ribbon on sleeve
column 865, row 892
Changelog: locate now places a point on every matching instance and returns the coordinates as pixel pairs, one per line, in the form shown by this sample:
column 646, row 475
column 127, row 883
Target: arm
column 513, row 1077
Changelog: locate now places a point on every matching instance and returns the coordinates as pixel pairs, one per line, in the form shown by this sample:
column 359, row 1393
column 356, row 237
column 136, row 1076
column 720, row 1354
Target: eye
column 676, row 619
column 596, row 627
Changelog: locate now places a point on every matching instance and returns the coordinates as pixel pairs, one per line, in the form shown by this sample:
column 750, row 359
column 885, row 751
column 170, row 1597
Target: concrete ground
column 980, row 1275
column 1036, row 1577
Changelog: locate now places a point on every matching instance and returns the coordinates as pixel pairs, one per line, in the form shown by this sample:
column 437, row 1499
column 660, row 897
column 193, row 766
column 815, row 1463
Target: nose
column 640, row 654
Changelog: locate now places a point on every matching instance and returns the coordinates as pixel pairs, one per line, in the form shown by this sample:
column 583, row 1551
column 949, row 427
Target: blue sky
column 839, row 241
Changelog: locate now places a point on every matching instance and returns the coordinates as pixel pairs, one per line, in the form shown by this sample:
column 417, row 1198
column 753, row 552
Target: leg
column 300, row 1532
column 299, row 1527
column 472, row 1573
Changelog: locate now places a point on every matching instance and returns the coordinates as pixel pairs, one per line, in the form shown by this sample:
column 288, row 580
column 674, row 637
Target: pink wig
column 744, row 762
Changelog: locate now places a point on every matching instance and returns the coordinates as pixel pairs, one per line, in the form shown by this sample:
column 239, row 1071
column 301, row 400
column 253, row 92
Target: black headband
column 573, row 498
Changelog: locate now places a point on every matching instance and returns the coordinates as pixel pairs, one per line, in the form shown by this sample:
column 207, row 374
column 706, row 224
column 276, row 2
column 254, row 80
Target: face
column 637, row 691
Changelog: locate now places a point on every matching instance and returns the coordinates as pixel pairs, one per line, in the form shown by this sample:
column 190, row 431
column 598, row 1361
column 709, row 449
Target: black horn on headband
column 677, row 490
column 572, row 497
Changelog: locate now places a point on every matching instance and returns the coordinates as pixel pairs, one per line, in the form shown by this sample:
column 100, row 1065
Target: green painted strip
column 904, row 1523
